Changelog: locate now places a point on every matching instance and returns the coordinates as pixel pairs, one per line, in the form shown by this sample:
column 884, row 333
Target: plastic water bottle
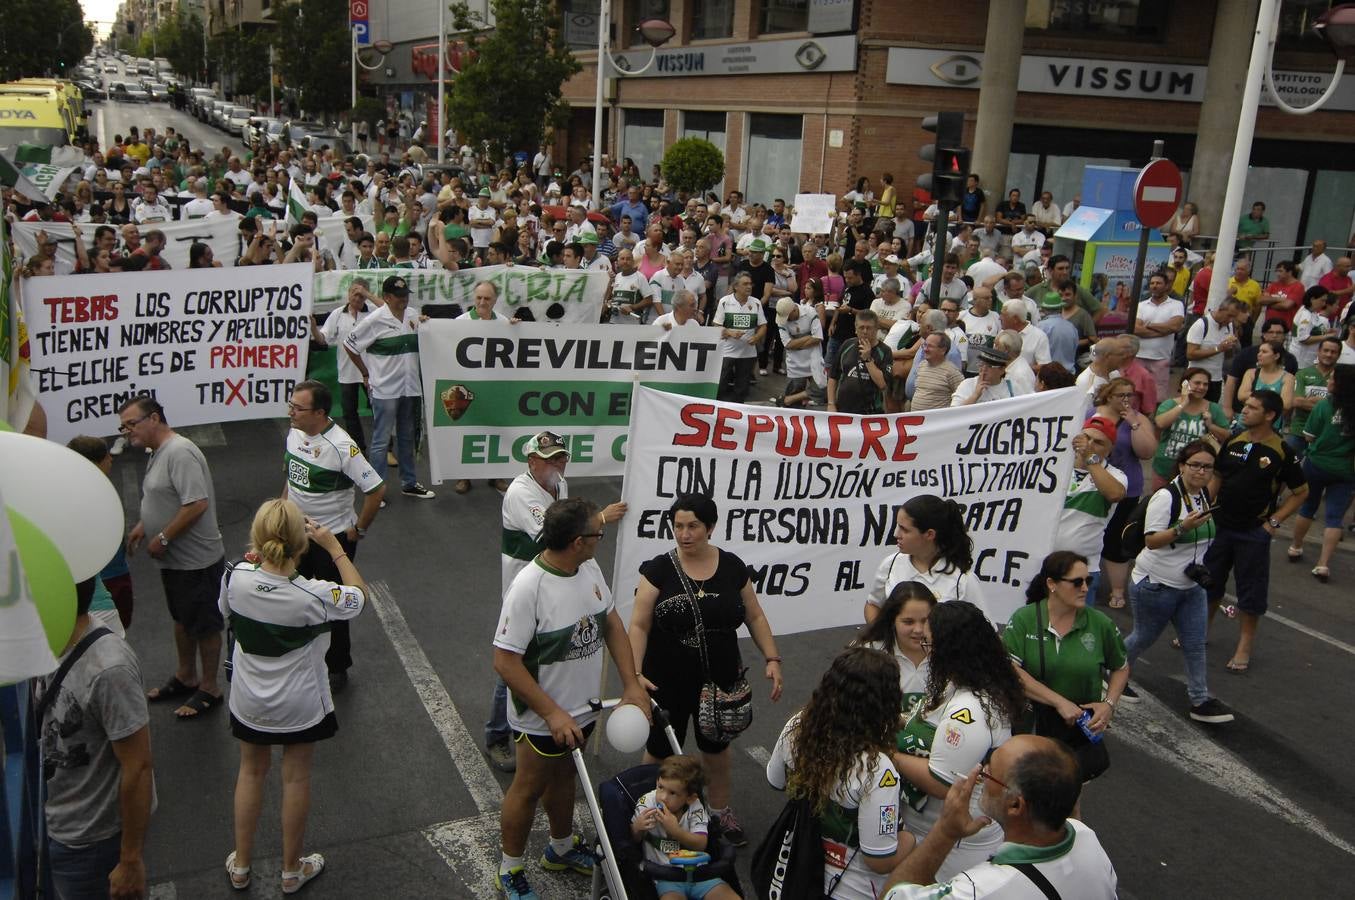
column 1084, row 722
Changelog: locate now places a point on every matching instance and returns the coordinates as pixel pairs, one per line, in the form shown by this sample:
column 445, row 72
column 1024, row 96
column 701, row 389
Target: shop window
column 1332, row 215
column 642, row 138
column 783, row 15
column 711, row 127
column 772, row 162
column 1296, row 24
column 1063, row 177
column 1144, row 19
column 636, row 12
column 712, row 19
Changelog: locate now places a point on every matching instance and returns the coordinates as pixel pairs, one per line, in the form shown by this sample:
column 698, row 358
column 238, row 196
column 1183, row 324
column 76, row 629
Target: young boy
column 671, row 818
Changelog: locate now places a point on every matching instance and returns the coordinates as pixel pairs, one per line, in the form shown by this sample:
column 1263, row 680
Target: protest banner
column 219, row 232
column 489, row 386
column 808, row 499
column 813, row 213
column 553, row 295
column 209, row 347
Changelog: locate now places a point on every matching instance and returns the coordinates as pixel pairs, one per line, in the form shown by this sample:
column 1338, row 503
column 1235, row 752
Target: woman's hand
column 323, row 536
column 638, row 696
column 773, row 673
column 645, row 682
column 1069, row 711
column 1101, row 713
column 1195, row 520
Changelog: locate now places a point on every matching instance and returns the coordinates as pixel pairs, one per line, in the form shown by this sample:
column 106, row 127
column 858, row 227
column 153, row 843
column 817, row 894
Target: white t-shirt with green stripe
column 322, row 471
column 390, row 349
column 556, row 622
column 524, row 512
column 1082, row 524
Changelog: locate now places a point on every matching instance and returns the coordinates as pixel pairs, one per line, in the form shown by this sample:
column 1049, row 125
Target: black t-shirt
column 857, row 297
column 673, row 655
column 856, row 392
column 762, row 276
column 1011, row 212
column 1245, row 359
column 1252, row 474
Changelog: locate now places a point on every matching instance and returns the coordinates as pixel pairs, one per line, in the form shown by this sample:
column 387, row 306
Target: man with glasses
column 178, row 525
column 1032, row 790
column 557, row 613
column 324, row 464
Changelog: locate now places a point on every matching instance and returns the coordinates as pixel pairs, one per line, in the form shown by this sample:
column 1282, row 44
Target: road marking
column 163, row 891
column 1303, row 629
column 465, row 752
column 469, row 847
column 1156, row 730
column 759, row 755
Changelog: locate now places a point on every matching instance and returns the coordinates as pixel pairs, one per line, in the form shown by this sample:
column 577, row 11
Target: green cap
column 588, row 237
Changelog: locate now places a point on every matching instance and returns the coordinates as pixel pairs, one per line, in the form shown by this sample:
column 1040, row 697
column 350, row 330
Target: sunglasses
column 1078, row 583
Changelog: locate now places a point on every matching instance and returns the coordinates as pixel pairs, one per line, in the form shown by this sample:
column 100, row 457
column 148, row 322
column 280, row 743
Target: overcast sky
column 102, row 13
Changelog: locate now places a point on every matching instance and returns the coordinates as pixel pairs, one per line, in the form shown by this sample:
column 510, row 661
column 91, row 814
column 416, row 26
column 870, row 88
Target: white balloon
column 64, row 495
column 627, row 728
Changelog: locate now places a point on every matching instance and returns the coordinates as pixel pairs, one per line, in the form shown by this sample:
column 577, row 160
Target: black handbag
column 722, row 714
column 789, row 860
column 1093, row 757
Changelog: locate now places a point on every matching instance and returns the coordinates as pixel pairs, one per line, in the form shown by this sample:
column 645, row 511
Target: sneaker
column 1129, row 695
column 418, row 490
column 578, row 859
column 501, row 756
column 461, row 486
column 513, row 885
column 1211, row 711
column 762, row 371
column 730, row 827
column 119, row 445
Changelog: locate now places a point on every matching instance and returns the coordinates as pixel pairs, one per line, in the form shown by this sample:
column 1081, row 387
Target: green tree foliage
column 242, row 55
column 40, row 37
column 692, row 165
column 512, row 89
column 313, row 53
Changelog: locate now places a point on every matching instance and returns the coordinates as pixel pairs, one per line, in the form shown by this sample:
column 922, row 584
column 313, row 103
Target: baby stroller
column 622, row 873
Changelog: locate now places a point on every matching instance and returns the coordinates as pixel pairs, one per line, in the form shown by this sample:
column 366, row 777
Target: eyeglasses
column 292, row 407
column 126, row 427
column 986, row 773
column 593, row 534
column 1128, row 396
column 1200, row 467
column 1078, row 583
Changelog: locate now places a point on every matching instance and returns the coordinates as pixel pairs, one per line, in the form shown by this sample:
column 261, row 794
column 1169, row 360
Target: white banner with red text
column 808, row 499
column 209, row 346
column 488, row 387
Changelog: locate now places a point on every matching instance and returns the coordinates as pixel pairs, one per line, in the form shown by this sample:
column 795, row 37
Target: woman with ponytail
column 934, row 548
column 279, row 683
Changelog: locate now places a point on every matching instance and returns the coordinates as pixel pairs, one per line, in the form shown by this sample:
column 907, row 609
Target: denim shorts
column 695, row 890
column 1337, row 493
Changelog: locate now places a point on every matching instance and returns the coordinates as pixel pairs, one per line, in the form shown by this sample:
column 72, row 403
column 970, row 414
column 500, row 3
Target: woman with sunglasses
column 1061, row 649
column 972, row 697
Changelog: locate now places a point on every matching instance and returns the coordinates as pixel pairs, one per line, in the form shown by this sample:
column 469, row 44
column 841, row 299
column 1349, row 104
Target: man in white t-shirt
column 480, row 218
column 1032, row 790
column 981, row 325
column 632, row 300
column 802, row 336
column 1108, row 354
column 558, row 613
column 1316, row 264
column 991, row 383
column 1027, row 239
column 683, row 313
column 199, row 207
column 1211, row 337
column 743, row 326
column 1159, row 319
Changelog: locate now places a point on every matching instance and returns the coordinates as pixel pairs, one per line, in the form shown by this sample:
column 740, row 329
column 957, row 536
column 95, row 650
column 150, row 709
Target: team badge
column 954, row 736
column 1089, row 642
column 963, row 715
column 337, row 594
column 889, row 819
column 352, row 451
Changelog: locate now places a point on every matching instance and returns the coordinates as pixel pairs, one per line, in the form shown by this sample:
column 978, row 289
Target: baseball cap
column 784, row 307
column 892, row 259
column 1103, row 425
column 993, row 356
column 395, row 285
column 547, row 444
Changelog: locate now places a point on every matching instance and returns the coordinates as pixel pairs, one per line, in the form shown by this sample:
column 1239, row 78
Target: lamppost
column 382, row 47
column 1337, row 29
column 655, row 33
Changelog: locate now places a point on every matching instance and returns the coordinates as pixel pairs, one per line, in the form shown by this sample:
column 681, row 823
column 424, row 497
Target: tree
column 38, row 37
column 692, row 165
column 244, row 56
column 314, row 47
column 511, row 89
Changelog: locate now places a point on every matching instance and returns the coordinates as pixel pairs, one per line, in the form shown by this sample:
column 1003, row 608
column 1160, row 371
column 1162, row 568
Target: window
column 774, row 143
column 711, row 127
column 783, row 15
column 712, row 19
column 1296, row 24
column 1100, row 18
column 1333, row 209
column 636, row 12
column 642, row 138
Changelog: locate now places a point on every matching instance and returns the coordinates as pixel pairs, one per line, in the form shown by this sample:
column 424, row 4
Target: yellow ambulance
column 38, row 114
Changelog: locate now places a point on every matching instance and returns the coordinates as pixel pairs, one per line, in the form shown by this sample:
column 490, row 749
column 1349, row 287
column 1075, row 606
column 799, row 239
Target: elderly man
column 981, row 325
column 483, row 299
column 991, row 383
column 1247, row 289
column 1211, row 338
column 933, row 381
column 1034, row 342
column 1032, row 791
column 1107, row 356
column 1316, row 264
column 802, row 336
column 684, row 311
column 1020, row 373
column 858, row 376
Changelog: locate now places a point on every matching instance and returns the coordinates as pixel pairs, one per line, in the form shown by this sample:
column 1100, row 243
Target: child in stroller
column 671, row 822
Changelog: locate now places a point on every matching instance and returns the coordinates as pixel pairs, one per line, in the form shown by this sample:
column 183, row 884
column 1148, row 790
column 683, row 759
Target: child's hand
column 666, row 818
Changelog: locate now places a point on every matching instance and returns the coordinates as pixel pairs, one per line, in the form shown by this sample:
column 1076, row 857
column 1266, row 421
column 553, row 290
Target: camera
column 1199, row 573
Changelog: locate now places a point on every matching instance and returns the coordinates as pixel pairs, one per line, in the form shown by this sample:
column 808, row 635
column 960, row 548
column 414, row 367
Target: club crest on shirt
column 1088, row 642
column 585, row 640
column 538, row 513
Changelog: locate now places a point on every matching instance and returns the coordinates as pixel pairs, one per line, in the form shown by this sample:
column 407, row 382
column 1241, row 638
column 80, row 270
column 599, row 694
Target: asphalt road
column 405, row 806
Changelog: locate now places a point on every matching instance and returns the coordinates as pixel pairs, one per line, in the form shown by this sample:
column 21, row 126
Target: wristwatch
column 1095, row 459
column 362, row 532
column 1274, row 522
column 164, row 541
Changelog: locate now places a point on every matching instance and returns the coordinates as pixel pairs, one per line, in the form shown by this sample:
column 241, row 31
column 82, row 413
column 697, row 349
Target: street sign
column 1157, row 193
column 357, row 20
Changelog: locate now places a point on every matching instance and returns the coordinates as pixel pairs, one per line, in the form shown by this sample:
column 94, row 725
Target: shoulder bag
column 722, row 714
column 1092, row 757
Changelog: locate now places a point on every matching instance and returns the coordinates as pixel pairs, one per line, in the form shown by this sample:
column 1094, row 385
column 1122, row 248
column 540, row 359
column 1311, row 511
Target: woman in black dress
column 670, row 665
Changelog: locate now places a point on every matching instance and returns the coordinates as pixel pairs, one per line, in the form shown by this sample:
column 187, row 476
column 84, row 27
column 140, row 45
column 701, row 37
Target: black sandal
column 171, row 689
column 200, row 702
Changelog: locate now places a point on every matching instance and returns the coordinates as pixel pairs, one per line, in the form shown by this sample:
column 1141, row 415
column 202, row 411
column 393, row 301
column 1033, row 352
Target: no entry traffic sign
column 1157, row 193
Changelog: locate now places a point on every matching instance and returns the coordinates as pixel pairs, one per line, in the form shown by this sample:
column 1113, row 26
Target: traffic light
column 948, row 156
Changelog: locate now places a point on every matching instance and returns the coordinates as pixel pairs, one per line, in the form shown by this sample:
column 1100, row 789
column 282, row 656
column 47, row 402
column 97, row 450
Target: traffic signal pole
column 946, row 184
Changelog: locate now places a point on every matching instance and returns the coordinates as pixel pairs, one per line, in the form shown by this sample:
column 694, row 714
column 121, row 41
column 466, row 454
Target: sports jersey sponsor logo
column 963, row 715
column 337, row 594
column 739, row 320
column 889, row 819
column 352, row 451
column 265, row 588
column 538, row 514
column 586, row 639
column 298, row 473
column 834, row 854
column 888, row 779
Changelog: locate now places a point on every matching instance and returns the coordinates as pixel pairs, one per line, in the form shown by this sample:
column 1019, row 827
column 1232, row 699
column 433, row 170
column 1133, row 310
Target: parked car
column 237, row 117
column 127, row 92
column 256, row 129
column 92, row 91
column 330, row 138
column 216, row 116
column 158, row 91
column 111, row 67
column 197, row 99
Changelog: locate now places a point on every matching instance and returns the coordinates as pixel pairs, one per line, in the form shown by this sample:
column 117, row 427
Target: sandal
column 1295, row 553
column 1322, row 573
column 1238, row 668
column 199, row 703
column 239, row 875
column 170, row 690
column 300, row 877
column 1117, row 601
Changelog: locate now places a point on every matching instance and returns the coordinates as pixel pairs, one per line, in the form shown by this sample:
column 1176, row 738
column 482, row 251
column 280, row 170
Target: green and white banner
column 553, row 295
column 489, row 386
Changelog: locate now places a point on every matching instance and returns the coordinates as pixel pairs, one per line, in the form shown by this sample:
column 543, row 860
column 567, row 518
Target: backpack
column 788, row 863
column 1132, row 538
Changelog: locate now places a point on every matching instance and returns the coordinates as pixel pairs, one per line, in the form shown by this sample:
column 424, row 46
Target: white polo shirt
column 390, row 348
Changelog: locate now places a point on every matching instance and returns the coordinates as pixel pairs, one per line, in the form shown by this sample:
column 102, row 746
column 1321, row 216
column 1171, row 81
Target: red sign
column 423, row 59
column 1157, row 193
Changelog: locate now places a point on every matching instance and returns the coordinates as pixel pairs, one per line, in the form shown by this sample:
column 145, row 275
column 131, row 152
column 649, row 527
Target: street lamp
column 655, row 33
column 1337, row 28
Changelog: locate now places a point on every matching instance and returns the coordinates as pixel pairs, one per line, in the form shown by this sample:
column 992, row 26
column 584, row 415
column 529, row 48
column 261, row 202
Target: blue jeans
column 1337, row 491
column 1155, row 605
column 81, row 873
column 496, row 729
column 1094, row 588
column 403, row 413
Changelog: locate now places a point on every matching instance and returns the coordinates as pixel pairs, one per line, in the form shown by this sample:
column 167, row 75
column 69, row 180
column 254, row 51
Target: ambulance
column 34, row 117
column 69, row 93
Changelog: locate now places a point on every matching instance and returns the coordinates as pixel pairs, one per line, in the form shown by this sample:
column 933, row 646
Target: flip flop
column 1238, row 668
column 1117, row 601
column 1322, row 573
column 200, row 702
column 170, row 690
column 1295, row 553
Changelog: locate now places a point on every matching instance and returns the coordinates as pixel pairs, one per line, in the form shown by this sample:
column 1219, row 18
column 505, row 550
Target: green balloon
column 49, row 580
column 5, row 426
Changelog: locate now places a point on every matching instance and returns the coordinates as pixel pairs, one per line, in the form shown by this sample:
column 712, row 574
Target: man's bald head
column 1043, row 783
